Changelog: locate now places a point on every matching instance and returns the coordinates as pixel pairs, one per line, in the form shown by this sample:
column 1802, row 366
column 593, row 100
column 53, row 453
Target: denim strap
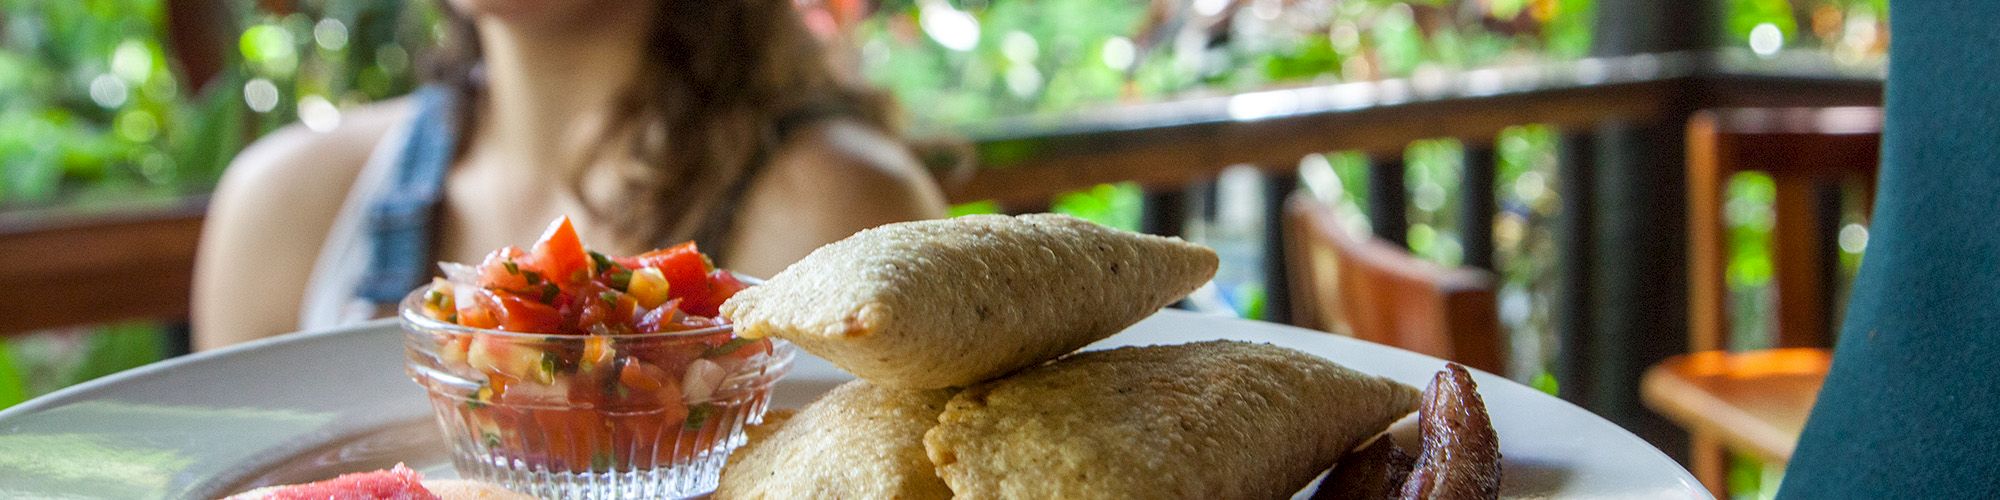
column 399, row 223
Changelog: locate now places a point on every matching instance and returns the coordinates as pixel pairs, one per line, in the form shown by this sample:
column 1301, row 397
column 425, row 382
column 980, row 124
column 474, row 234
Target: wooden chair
column 1757, row 402
column 1379, row 292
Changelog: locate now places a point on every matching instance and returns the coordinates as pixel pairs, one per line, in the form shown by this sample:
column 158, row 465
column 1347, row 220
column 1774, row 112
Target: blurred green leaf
column 121, row 347
column 1115, row 205
column 1545, row 381
column 975, row 208
column 1252, row 301
column 13, row 387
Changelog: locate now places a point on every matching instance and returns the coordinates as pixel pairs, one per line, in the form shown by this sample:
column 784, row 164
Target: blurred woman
column 649, row 123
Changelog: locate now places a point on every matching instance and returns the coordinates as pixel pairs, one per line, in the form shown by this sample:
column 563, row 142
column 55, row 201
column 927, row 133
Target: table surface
column 1756, row 401
column 308, row 406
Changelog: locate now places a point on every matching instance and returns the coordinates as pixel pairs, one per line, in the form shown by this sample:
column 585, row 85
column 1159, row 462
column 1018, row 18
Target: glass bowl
column 591, row 416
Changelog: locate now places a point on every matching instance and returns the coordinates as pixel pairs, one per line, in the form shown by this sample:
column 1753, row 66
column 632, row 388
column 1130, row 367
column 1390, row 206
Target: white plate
column 309, row 406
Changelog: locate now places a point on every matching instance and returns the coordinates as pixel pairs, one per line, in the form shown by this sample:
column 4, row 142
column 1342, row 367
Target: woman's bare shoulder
column 268, row 219
column 849, row 153
column 825, row 183
column 306, row 159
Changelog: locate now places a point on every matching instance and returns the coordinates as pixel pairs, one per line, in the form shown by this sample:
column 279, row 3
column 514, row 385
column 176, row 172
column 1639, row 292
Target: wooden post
column 1164, row 212
column 1476, row 205
column 1573, row 256
column 1387, row 198
column 1278, row 185
column 200, row 34
column 1804, row 237
column 1708, row 253
column 1639, row 258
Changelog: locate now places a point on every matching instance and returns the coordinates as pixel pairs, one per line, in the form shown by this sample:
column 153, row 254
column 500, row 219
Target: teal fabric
column 1912, row 407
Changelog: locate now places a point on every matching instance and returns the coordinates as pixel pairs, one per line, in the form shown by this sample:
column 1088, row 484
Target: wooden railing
column 79, row 266
column 1620, row 120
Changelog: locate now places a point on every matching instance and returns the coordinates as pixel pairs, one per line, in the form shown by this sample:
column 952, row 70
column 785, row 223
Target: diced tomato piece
column 721, row 286
column 635, row 376
column 686, row 270
column 660, row 319
column 502, row 269
column 656, row 257
column 521, row 314
column 478, row 308
column 559, row 254
column 583, row 305
column 642, row 377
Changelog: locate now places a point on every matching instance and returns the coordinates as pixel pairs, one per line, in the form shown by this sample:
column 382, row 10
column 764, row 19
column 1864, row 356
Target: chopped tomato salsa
column 596, row 388
column 562, row 288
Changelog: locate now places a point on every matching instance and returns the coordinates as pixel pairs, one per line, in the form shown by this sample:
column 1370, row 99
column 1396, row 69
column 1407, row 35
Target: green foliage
column 86, row 98
column 1545, row 381
column 1044, row 56
column 1431, row 175
column 1745, row 15
column 1115, row 205
column 1831, row 23
column 974, row 208
column 1524, row 235
column 1253, row 301
column 35, row 364
column 121, row 347
column 13, row 385
column 91, row 108
column 1749, row 216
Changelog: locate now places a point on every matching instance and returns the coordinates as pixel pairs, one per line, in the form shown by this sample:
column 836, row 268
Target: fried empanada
column 858, row 441
column 948, row 303
column 1218, row 419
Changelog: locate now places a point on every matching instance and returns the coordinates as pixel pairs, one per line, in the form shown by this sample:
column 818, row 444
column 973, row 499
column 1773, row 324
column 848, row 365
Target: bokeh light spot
column 330, row 33
column 108, row 91
column 1853, row 238
column 1766, row 39
column 318, row 114
column 261, row 95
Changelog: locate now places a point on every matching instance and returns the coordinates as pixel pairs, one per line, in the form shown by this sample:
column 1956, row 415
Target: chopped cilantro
column 547, row 374
column 698, row 415
column 611, row 385
column 512, row 268
column 479, row 396
column 598, row 262
column 727, row 347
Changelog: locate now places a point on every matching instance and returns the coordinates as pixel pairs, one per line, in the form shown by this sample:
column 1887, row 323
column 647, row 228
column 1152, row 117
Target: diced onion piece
column 702, row 379
column 460, row 273
column 517, row 361
column 452, row 352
